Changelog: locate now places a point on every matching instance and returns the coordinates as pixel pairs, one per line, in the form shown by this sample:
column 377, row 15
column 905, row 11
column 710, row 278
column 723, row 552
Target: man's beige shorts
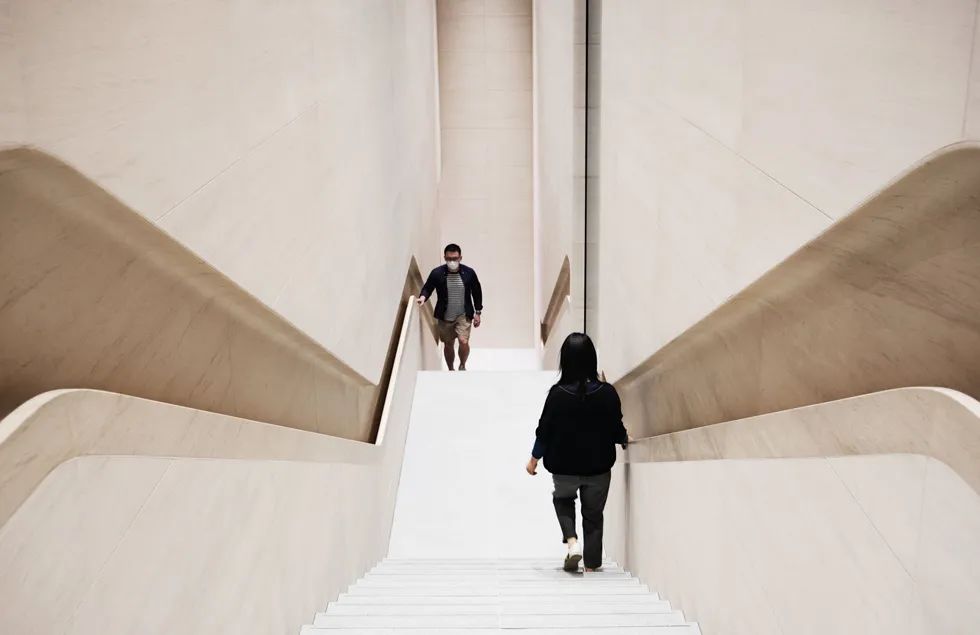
column 458, row 328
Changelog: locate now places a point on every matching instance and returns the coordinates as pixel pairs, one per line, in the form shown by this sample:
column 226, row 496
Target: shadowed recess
column 92, row 295
column 888, row 297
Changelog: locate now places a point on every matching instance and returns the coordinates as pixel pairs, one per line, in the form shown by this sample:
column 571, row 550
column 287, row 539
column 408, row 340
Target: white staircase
column 476, row 596
column 470, row 526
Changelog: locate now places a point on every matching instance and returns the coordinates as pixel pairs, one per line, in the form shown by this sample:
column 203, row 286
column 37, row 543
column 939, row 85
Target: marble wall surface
column 94, row 296
column 883, row 545
column 733, row 133
column 560, row 205
column 887, row 297
column 485, row 193
column 290, row 145
column 154, row 518
column 875, row 533
column 567, row 321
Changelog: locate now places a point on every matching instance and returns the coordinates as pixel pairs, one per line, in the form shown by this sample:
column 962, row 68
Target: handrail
column 76, row 452
column 559, row 293
column 886, row 298
column 59, row 425
column 93, row 295
column 937, row 422
column 413, row 283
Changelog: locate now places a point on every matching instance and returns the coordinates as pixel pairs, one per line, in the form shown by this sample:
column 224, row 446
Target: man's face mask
column 453, row 262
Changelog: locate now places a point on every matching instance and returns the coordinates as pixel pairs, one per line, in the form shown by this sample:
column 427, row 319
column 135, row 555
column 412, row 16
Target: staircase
column 470, row 526
column 477, row 596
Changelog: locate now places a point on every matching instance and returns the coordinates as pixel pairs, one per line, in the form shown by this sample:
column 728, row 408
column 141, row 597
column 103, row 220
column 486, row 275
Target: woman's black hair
column 578, row 362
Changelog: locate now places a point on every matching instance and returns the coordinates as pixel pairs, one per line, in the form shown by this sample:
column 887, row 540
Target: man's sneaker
column 573, row 558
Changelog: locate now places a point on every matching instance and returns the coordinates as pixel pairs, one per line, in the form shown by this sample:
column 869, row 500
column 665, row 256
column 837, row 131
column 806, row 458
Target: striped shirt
column 456, row 305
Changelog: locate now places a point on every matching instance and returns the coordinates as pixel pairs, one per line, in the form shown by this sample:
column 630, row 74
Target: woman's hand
column 532, row 466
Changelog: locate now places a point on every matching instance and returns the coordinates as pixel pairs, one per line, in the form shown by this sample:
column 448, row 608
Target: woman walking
column 580, row 425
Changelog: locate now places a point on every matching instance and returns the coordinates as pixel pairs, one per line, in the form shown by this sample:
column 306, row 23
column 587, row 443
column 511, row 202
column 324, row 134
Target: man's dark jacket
column 471, row 287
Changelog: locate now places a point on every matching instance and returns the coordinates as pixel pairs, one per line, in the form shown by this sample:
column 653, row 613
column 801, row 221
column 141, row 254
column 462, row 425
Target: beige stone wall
column 137, row 516
column 868, row 505
column 291, row 145
column 485, row 192
column 734, row 133
column 886, row 298
column 559, row 203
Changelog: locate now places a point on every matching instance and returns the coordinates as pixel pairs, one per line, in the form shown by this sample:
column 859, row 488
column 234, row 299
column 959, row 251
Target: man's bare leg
column 450, row 354
column 464, row 354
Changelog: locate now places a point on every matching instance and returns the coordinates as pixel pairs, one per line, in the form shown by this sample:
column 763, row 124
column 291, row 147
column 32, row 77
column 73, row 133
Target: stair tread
column 399, row 582
column 347, row 598
column 501, row 621
column 457, row 591
column 551, row 608
column 514, row 575
column 474, row 596
column 688, row 628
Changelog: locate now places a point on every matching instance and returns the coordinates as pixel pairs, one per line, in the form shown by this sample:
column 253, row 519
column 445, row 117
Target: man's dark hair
column 452, row 247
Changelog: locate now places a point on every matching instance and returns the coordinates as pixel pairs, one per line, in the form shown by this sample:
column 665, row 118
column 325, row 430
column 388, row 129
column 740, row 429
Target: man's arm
column 477, row 292
column 427, row 288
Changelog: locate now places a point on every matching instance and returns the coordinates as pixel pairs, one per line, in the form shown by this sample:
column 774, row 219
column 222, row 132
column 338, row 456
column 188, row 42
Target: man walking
column 458, row 305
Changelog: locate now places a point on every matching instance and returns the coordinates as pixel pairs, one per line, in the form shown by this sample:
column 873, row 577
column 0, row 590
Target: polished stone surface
column 58, row 426
column 888, row 297
column 208, row 514
column 735, row 132
column 559, row 204
column 527, row 594
column 463, row 491
column 94, row 296
column 880, row 522
column 271, row 139
column 485, row 190
column 886, row 543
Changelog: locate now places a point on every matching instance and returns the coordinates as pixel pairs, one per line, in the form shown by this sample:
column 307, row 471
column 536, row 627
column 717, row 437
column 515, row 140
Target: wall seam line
column 969, row 71
column 744, row 159
column 867, row 517
column 239, row 159
column 83, row 597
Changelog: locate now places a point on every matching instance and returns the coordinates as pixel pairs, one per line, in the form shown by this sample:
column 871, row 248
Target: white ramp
column 463, row 491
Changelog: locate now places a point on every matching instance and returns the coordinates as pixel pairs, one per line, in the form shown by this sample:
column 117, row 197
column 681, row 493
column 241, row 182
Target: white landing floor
column 501, row 359
column 463, row 491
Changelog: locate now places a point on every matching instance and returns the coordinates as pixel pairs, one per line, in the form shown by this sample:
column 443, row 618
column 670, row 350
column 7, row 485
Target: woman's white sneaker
column 573, row 558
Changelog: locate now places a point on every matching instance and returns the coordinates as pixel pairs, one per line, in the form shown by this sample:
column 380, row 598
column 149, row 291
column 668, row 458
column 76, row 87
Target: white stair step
column 553, row 571
column 538, row 600
column 550, row 563
column 337, row 608
column 550, row 574
column 327, row 620
column 679, row 629
column 476, row 560
column 569, row 579
column 671, row 618
column 552, row 608
column 570, row 607
column 474, row 591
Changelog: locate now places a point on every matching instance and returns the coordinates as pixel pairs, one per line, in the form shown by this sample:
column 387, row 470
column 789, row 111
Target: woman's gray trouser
column 594, row 490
